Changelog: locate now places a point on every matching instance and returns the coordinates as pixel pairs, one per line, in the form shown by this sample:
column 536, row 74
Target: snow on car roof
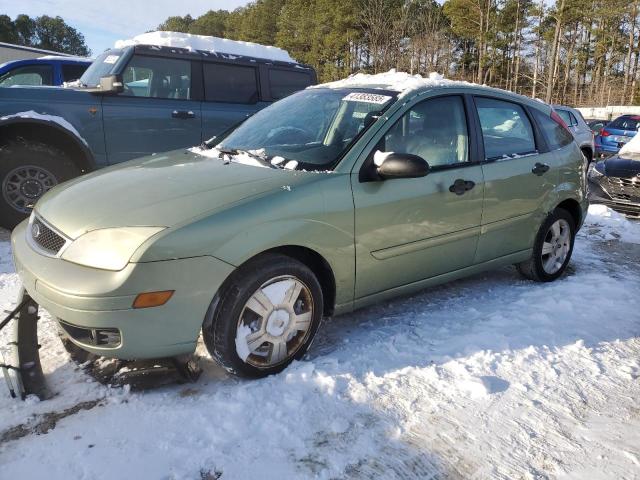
column 402, row 82
column 210, row 44
column 65, row 58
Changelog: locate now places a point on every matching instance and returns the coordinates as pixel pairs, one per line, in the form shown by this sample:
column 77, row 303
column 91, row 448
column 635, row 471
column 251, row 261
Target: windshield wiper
column 235, row 151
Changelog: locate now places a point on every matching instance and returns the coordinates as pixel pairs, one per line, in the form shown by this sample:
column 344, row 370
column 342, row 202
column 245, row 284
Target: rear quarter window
column 556, row 136
column 285, row 82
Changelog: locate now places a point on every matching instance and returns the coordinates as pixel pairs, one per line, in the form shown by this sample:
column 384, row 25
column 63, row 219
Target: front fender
column 331, row 243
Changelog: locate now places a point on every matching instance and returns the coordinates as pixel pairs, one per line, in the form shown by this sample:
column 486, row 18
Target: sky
column 104, row 22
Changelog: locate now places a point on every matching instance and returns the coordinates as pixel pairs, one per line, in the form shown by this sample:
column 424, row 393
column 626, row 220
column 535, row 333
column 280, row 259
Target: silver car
column 579, row 129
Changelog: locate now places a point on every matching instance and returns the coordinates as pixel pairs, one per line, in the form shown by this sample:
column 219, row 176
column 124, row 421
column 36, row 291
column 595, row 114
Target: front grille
column 627, row 189
column 45, row 238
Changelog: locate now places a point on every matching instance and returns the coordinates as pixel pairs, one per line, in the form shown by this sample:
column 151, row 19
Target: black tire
column 220, row 327
column 23, row 153
column 533, row 268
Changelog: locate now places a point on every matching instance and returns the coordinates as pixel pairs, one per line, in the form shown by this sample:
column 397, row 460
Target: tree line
column 576, row 52
column 49, row 33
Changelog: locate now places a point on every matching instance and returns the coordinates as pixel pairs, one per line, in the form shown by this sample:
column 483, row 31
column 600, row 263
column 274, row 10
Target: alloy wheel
column 275, row 322
column 556, row 246
column 24, row 185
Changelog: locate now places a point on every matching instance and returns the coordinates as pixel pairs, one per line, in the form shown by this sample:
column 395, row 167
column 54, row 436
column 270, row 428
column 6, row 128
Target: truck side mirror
column 111, row 84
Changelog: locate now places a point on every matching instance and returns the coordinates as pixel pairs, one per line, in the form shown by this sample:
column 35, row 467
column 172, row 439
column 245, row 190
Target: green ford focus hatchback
column 331, row 199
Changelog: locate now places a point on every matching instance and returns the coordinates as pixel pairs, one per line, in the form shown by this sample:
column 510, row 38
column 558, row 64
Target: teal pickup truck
column 131, row 101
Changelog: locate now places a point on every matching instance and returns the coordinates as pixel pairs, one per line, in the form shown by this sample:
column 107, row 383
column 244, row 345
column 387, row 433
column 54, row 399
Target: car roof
column 42, row 60
column 406, row 84
column 179, row 52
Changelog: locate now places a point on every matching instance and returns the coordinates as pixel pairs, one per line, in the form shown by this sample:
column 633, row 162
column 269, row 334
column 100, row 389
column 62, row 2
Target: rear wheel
column 27, row 171
column 264, row 317
column 552, row 248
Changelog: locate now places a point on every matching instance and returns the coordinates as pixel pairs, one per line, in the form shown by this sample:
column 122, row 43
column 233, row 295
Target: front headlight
column 108, row 248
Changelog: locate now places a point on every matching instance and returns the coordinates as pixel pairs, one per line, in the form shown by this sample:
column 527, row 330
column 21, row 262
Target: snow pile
column 602, row 223
column 632, row 147
column 393, row 80
column 491, row 376
column 208, row 44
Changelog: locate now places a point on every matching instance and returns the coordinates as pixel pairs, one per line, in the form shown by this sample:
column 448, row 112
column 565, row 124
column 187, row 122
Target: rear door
column 412, row 229
column 156, row 112
column 231, row 94
column 520, row 174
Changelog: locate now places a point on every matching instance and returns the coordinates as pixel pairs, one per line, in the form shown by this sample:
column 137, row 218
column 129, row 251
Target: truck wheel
column 264, row 317
column 27, row 171
column 552, row 248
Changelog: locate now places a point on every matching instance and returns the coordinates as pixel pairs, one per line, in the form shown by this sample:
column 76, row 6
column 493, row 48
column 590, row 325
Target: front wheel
column 264, row 317
column 552, row 248
column 28, row 170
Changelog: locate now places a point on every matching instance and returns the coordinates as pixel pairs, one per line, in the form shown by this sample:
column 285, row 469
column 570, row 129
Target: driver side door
column 156, row 112
column 412, row 229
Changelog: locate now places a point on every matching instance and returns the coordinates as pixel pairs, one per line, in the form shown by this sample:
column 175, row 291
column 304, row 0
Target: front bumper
column 99, row 300
column 603, row 150
column 599, row 195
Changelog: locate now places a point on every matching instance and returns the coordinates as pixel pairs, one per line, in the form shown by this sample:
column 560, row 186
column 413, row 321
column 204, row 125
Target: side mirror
column 402, row 165
column 111, row 84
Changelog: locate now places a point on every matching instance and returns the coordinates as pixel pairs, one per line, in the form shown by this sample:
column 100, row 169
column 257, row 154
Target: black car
column 615, row 182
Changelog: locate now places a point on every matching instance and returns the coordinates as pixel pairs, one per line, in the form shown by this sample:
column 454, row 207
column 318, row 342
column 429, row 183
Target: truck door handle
column 540, row 169
column 184, row 114
column 461, row 186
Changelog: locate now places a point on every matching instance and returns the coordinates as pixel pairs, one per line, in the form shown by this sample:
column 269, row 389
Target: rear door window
column 230, row 83
column 28, row 75
column 156, row 77
column 555, row 135
column 285, row 82
column 506, row 129
column 72, row 72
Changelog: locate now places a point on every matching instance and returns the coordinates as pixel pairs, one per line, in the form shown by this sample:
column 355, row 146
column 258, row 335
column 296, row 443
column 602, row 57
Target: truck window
column 71, row 72
column 28, row 75
column 286, row 82
column 156, row 77
column 230, row 83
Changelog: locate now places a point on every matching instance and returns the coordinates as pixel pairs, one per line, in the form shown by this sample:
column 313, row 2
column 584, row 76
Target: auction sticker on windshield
column 111, row 59
column 367, row 98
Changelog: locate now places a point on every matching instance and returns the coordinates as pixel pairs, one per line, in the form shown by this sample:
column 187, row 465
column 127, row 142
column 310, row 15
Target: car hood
column 162, row 190
column 625, row 166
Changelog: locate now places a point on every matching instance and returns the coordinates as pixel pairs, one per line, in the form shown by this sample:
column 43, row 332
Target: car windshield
column 314, row 127
column 100, row 67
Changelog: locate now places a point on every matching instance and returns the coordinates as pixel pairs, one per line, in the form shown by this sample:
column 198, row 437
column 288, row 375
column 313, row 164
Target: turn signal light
column 152, row 299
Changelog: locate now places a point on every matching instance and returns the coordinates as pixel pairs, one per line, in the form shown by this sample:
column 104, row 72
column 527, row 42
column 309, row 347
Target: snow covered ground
column 488, row 377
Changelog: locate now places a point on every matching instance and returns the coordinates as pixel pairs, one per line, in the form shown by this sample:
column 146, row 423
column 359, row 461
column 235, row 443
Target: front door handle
column 461, row 186
column 183, row 114
column 540, row 169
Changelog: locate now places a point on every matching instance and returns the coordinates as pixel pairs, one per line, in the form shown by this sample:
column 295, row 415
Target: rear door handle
column 184, row 114
column 540, row 169
column 461, row 186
